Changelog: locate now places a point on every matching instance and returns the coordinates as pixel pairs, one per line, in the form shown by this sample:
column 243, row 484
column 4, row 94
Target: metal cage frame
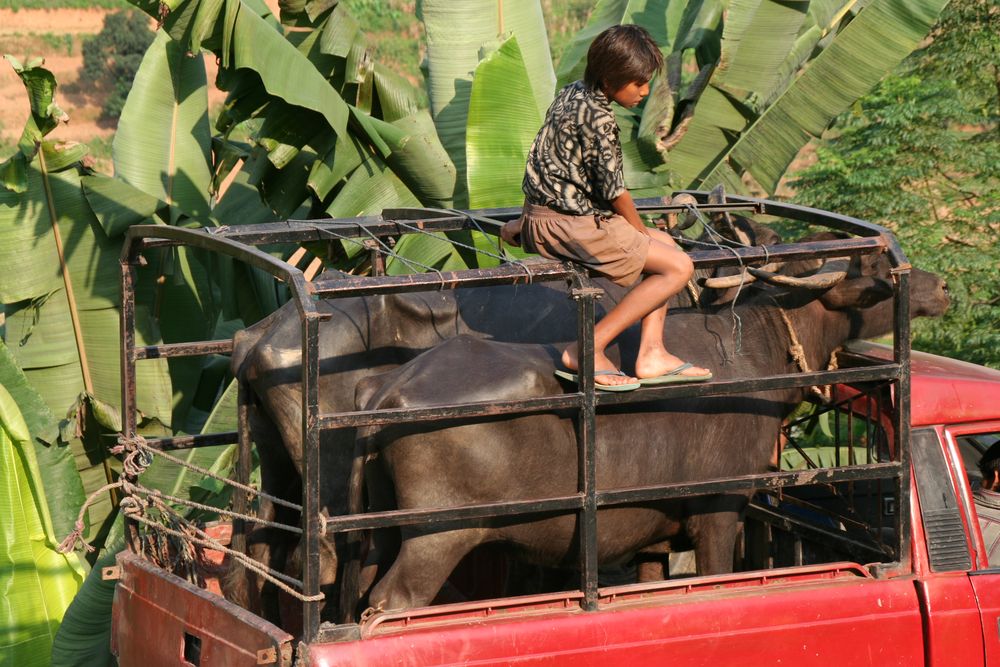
column 240, row 244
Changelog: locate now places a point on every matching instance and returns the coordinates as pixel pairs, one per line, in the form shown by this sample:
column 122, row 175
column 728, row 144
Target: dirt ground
column 57, row 36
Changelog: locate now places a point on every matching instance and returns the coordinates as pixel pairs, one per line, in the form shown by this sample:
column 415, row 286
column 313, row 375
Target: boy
column 577, row 208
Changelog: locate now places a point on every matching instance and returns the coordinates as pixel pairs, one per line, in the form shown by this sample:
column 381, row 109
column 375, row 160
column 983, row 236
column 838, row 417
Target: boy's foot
column 662, row 363
column 598, row 376
column 676, row 376
column 605, row 373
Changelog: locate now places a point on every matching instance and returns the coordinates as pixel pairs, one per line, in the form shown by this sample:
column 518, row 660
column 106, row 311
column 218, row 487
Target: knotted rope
column 139, row 501
column 798, row 354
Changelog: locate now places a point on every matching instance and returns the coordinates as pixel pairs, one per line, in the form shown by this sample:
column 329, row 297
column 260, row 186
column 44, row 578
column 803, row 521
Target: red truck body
column 940, row 609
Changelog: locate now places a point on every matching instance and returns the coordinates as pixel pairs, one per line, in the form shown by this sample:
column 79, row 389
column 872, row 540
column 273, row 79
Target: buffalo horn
column 833, row 271
column 742, row 278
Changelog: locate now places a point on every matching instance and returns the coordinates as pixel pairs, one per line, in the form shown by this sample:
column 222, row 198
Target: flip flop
column 674, row 375
column 573, row 377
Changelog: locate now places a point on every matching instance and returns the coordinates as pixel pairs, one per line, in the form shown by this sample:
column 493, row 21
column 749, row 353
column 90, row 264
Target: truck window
column 971, row 447
column 824, row 523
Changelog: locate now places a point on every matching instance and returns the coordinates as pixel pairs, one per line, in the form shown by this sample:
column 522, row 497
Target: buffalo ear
column 857, row 293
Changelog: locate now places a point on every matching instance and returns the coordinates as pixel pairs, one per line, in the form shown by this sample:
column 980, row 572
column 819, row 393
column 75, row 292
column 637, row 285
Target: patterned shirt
column 988, row 509
column 575, row 163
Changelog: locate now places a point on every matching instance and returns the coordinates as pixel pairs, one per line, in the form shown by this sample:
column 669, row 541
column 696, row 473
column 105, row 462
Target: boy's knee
column 685, row 267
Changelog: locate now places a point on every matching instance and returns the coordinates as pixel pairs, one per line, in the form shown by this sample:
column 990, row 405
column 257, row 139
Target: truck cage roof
column 240, row 243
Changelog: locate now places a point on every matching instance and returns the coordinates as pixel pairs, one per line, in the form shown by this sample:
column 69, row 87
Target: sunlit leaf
column 500, row 128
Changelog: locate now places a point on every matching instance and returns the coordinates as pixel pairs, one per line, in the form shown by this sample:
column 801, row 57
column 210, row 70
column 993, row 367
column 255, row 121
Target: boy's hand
column 511, row 233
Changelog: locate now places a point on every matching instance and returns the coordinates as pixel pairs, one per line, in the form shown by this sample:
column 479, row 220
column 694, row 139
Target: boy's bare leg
column 653, row 358
column 668, row 269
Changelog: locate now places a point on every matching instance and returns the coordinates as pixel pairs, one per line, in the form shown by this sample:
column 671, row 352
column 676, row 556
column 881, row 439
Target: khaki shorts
column 609, row 246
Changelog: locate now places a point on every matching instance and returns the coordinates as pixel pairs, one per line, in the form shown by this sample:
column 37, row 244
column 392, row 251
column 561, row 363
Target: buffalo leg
column 713, row 525
column 423, row 565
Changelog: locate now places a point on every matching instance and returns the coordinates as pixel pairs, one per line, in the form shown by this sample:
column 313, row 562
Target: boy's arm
column 625, row 207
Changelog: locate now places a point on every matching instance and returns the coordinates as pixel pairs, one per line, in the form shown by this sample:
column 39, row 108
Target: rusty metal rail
column 239, row 243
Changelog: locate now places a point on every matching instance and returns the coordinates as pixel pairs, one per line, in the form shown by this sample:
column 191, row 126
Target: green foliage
column 112, row 57
column 921, row 155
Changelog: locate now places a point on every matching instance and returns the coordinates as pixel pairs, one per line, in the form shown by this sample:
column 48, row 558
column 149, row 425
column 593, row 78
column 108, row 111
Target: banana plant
column 59, row 284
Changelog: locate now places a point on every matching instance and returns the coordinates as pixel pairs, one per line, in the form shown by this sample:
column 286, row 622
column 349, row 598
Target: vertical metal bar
column 901, row 427
column 586, row 457
column 375, row 257
column 310, row 474
column 851, row 458
column 126, row 325
column 836, row 435
column 869, row 429
column 241, row 503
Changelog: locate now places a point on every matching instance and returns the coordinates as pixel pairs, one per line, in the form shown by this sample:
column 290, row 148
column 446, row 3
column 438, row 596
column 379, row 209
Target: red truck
column 857, row 568
column 943, row 609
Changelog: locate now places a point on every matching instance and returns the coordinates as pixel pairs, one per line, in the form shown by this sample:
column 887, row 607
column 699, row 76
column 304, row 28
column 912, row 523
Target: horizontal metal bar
column 805, row 214
column 442, row 514
column 184, row 349
column 192, row 441
column 609, row 498
column 546, row 270
column 768, row 383
column 505, row 274
column 571, row 400
column 305, row 231
column 787, row 252
column 448, row 411
column 771, row 480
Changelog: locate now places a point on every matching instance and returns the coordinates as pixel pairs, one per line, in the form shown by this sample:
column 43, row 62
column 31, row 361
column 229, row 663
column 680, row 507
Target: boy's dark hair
column 990, row 462
column 621, row 55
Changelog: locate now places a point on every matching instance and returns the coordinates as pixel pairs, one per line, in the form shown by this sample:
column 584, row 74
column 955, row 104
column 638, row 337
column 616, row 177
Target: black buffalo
column 497, row 343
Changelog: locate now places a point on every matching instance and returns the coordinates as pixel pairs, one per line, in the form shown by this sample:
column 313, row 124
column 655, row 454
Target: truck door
column 965, row 445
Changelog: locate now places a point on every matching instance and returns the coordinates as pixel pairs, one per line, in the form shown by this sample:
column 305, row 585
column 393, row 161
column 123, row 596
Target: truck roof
column 944, row 390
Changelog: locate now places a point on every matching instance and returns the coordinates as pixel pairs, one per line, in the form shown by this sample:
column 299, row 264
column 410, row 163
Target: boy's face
column 631, row 94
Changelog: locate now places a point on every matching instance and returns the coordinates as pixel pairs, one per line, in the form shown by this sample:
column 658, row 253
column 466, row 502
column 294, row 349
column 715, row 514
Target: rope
column 387, row 251
column 69, row 542
column 139, row 456
column 459, row 244
column 798, row 353
column 206, row 540
column 140, row 442
column 211, row 508
column 716, row 242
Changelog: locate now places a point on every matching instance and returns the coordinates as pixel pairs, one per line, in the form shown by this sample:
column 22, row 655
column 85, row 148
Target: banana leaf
column 369, row 189
column 59, row 477
column 874, row 42
column 45, row 116
column 749, row 62
column 757, row 36
column 163, row 143
column 453, row 54
column 500, row 128
column 38, row 581
column 84, row 636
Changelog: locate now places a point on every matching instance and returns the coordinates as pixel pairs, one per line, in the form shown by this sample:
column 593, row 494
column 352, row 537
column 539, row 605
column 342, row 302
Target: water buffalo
column 642, row 444
column 368, row 336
